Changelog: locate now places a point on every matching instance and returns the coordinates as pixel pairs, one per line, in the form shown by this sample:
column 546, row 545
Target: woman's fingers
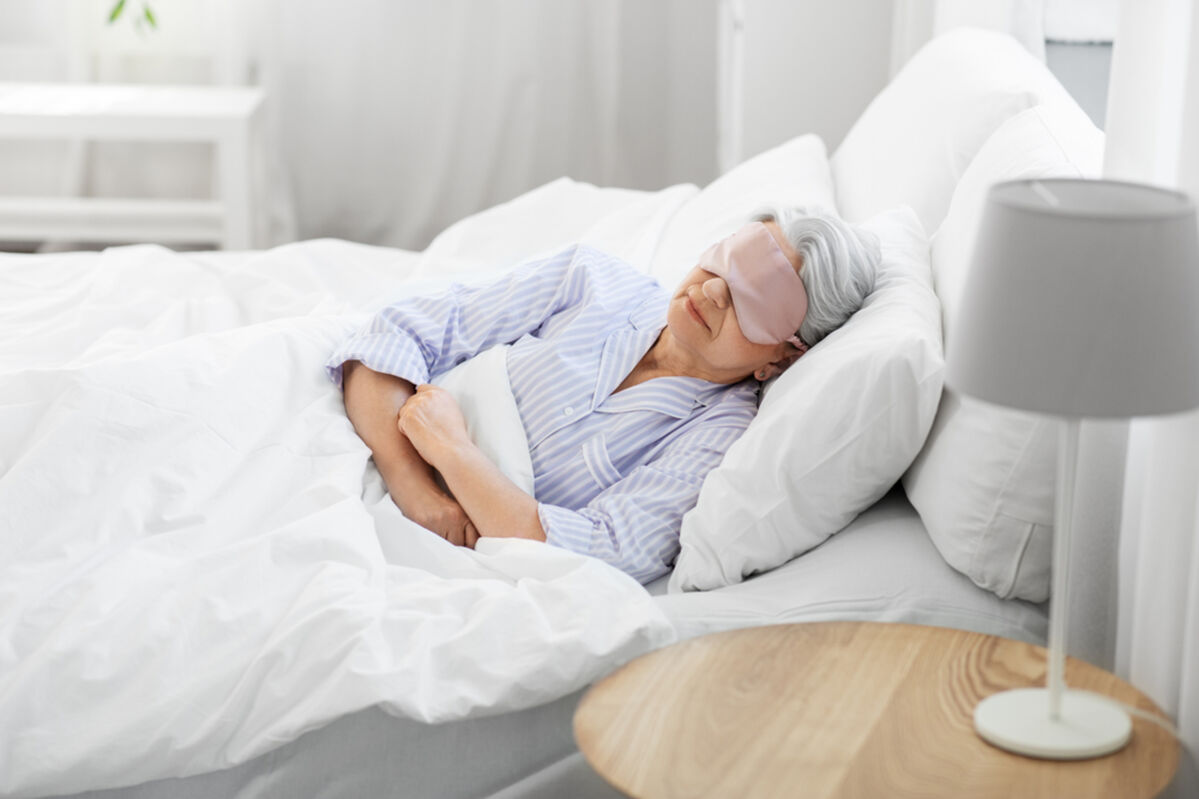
column 440, row 513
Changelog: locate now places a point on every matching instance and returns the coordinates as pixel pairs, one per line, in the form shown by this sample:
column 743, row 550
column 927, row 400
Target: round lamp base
column 1018, row 721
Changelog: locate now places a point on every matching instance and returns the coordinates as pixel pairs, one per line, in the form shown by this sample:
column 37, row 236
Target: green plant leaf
column 116, row 11
column 149, row 16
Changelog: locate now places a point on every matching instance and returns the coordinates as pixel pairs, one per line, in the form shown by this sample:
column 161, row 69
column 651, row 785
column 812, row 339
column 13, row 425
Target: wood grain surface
column 844, row 709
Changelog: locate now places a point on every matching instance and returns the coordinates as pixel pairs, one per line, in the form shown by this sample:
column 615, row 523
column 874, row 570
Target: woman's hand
column 434, row 510
column 433, row 423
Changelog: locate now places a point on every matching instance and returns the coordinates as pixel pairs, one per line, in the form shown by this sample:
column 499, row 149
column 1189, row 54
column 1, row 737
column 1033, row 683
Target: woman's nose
column 717, row 291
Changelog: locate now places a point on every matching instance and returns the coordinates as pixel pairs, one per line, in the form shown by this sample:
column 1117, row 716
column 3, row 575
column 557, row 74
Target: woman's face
column 703, row 320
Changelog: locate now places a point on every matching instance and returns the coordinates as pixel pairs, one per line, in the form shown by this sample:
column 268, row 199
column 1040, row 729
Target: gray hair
column 840, row 261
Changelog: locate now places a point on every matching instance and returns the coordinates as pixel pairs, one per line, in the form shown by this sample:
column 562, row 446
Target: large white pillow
column 833, row 433
column 984, row 482
column 913, row 142
column 546, row 219
column 796, row 173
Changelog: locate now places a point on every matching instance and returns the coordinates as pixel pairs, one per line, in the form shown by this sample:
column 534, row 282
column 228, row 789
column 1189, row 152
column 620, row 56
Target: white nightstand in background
column 225, row 116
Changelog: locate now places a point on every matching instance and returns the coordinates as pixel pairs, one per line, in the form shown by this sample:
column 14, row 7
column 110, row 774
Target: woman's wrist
column 496, row 505
column 454, row 456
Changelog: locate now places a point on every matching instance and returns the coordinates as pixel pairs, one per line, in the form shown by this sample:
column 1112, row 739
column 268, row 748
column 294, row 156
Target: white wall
column 812, row 66
column 666, row 128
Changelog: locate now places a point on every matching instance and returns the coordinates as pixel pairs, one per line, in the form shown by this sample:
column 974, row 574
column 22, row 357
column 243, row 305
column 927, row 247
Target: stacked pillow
column 834, row 432
column 913, row 142
column 984, row 482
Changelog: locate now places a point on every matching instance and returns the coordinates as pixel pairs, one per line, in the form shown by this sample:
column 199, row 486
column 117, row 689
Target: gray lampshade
column 1082, row 300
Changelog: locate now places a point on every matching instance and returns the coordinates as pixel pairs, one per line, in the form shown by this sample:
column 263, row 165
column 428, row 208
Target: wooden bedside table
column 844, row 709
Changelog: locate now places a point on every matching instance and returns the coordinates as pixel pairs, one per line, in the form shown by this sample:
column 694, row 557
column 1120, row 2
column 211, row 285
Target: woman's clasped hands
column 433, row 423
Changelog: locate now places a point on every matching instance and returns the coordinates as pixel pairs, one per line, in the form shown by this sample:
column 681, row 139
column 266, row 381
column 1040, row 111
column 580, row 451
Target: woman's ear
column 776, row 367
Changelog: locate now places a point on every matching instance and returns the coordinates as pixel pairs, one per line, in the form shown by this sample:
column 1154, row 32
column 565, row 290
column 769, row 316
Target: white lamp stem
column 1054, row 722
column 1067, row 464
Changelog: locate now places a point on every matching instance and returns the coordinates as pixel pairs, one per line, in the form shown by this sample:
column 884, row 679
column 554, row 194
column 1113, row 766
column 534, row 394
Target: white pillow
column 796, row 173
column 984, row 482
column 833, row 433
column 483, row 392
column 913, row 142
column 544, row 220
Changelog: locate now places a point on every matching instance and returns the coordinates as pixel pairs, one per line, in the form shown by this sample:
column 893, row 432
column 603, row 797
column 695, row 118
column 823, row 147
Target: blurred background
column 386, row 120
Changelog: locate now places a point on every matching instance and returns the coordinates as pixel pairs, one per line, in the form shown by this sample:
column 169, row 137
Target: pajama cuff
column 382, row 352
column 566, row 528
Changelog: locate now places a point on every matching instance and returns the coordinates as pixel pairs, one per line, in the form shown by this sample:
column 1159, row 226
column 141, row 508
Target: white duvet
column 200, row 563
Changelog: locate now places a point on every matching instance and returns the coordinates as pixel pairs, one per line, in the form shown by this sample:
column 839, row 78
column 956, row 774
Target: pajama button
column 567, row 411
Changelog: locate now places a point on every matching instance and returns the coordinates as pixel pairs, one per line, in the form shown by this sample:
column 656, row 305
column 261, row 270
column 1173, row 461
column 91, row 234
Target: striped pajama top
column 613, row 473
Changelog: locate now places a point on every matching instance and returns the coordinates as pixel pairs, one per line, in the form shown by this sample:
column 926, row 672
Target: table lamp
column 1082, row 301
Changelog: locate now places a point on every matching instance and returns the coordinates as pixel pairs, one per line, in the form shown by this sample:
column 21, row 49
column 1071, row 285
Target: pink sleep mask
column 768, row 296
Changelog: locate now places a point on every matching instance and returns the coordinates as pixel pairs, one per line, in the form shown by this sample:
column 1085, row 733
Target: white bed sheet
column 882, row 567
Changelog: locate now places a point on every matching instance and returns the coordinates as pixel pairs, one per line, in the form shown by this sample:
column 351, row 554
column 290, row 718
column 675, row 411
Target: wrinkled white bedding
column 199, row 562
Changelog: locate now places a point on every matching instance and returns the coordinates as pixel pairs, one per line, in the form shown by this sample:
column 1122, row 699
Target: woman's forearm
column 496, row 505
column 432, row 421
column 373, row 400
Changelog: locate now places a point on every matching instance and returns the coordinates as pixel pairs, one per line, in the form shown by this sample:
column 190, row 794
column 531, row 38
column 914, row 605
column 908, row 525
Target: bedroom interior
column 209, row 578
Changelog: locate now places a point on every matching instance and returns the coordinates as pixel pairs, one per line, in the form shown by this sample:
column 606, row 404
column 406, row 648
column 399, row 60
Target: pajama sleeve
column 419, row 337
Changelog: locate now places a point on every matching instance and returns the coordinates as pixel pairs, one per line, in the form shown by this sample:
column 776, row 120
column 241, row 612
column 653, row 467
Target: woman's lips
column 691, row 309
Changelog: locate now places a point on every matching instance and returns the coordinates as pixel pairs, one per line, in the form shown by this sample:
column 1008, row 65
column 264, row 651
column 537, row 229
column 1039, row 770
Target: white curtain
column 395, row 119
column 914, row 22
column 1153, row 136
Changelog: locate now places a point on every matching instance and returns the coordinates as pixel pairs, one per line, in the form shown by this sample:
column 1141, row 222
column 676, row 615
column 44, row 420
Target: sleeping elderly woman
column 629, row 394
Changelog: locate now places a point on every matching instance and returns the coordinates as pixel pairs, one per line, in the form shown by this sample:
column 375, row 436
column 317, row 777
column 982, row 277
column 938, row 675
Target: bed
column 208, row 585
